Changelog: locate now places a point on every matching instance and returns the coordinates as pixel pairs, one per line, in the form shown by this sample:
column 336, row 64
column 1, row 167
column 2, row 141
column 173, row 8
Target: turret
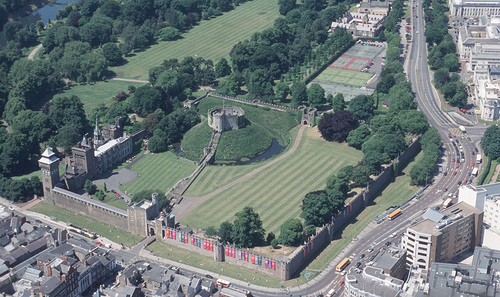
column 49, row 165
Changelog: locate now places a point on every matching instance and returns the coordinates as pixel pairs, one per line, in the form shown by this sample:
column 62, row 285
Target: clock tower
column 49, row 164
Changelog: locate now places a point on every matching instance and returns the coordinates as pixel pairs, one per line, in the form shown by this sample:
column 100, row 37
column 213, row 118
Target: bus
column 462, row 128
column 343, row 264
column 474, row 171
column 447, row 203
column 394, row 214
column 222, row 283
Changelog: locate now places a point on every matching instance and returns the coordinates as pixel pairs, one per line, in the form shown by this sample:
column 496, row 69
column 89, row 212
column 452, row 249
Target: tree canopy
column 336, row 126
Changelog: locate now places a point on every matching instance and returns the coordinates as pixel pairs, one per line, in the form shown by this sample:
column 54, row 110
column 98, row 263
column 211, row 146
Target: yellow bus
column 222, row 283
column 343, row 264
column 394, row 214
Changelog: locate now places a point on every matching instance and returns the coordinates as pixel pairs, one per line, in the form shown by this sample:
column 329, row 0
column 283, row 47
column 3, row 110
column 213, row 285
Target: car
column 470, row 181
column 453, row 160
column 445, row 190
column 341, row 282
column 208, row 276
column 459, row 183
column 476, row 149
column 98, row 243
column 468, row 173
column 449, row 136
column 473, row 153
column 388, row 243
column 372, row 257
column 472, row 164
column 358, row 264
column 117, row 194
column 455, row 172
column 370, row 250
column 445, row 173
column 113, row 191
column 465, row 181
column 458, row 165
column 362, row 256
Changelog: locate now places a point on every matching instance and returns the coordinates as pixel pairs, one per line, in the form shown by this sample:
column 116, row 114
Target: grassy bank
column 110, row 232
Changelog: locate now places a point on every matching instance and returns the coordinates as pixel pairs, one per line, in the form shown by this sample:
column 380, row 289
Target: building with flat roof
column 374, row 7
column 372, row 282
column 485, row 198
column 487, row 91
column 474, row 8
column 392, row 261
column 441, row 236
column 360, row 24
column 457, row 280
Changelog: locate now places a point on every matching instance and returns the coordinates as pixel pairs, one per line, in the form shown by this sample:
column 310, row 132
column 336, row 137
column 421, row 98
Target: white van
column 330, row 293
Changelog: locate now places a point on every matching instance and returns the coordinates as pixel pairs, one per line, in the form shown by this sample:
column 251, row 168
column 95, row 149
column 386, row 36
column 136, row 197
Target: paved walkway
column 34, row 51
column 130, row 80
column 189, row 203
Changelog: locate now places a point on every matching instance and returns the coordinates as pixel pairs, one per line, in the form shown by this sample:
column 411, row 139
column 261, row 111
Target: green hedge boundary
column 485, row 172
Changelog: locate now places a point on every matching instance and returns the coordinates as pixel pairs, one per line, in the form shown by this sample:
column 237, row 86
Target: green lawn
column 113, row 200
column 112, row 233
column 196, row 139
column 341, row 76
column 158, row 172
column 276, row 192
column 212, row 39
column 100, row 92
column 394, row 194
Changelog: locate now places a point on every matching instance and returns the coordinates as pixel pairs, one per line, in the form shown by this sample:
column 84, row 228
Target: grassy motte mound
column 243, row 143
column 196, row 139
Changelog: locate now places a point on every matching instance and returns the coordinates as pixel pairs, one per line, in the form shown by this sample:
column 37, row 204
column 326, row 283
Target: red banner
column 246, row 257
column 253, row 259
column 226, row 249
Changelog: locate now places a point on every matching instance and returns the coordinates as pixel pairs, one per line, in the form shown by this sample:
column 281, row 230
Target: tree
column 248, row 230
column 338, row 102
column 260, row 86
column 169, row 33
column 490, row 142
column 291, row 232
column 285, row 6
column 336, row 126
column 89, row 187
column 299, row 93
column 145, row 100
column 451, row 62
column 316, row 208
column 112, row 53
column 156, row 144
column 270, row 237
column 67, row 136
column 315, row 95
column 361, row 175
column 68, row 111
column 441, row 77
column 385, row 84
column 211, row 231
column 361, row 107
column 282, row 91
column 310, row 230
column 413, row 121
column 358, row 136
column 100, row 195
column 14, row 155
column 225, row 232
column 222, row 68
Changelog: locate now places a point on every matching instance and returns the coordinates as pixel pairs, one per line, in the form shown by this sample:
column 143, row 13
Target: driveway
column 115, row 179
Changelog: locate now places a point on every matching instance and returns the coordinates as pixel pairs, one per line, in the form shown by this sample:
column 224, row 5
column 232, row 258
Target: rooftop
column 374, row 281
column 105, row 147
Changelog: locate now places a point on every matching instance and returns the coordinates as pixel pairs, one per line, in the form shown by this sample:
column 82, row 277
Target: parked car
column 358, row 264
column 362, row 256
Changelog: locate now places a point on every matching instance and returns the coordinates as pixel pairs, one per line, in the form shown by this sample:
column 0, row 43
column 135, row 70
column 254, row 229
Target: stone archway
column 305, row 123
column 151, row 231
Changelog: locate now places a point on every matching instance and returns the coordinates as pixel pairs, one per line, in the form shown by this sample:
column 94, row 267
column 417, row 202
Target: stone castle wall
column 81, row 205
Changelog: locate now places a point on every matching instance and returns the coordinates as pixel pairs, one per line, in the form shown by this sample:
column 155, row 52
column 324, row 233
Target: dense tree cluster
column 442, row 57
column 336, row 126
column 490, row 142
column 431, row 145
column 246, row 231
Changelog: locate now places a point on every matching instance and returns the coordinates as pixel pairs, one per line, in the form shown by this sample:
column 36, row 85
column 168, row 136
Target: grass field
column 346, row 77
column 101, row 92
column 112, row 233
column 243, row 144
column 212, row 39
column 37, row 172
column 276, row 192
column 394, row 194
column 158, row 172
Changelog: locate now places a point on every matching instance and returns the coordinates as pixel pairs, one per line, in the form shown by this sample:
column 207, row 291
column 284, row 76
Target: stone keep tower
column 49, row 165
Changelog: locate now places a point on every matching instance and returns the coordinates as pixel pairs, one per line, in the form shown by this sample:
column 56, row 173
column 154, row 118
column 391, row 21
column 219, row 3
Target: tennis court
column 364, row 51
column 341, row 62
column 341, row 76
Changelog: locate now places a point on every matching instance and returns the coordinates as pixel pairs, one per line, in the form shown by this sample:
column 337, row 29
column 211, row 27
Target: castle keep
column 226, row 118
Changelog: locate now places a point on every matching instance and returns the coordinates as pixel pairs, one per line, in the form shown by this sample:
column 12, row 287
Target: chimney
column 49, row 270
column 85, row 262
